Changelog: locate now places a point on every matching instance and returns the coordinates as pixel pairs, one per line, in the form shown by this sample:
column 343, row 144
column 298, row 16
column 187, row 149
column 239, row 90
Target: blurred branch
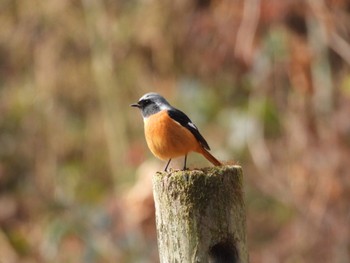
column 263, row 160
column 340, row 46
column 333, row 39
column 247, row 29
column 102, row 68
column 323, row 95
column 8, row 253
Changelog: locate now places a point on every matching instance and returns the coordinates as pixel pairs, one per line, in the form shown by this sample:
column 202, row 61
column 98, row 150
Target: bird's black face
column 151, row 103
column 144, row 103
column 147, row 107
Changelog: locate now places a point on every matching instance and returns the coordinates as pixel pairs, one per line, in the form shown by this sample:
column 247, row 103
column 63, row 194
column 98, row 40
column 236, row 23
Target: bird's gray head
column 151, row 103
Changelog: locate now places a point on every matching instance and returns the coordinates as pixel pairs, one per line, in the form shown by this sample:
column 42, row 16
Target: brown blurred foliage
column 267, row 82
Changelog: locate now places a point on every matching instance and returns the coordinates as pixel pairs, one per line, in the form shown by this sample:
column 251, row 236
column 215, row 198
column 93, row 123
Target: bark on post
column 200, row 215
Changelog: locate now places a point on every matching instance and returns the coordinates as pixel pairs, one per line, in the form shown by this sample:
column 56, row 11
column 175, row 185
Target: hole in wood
column 223, row 252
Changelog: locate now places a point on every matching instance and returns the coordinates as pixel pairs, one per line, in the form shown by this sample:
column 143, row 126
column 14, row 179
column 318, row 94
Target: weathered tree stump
column 200, row 215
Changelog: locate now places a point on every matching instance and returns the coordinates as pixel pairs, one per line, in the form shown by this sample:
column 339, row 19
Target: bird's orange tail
column 210, row 157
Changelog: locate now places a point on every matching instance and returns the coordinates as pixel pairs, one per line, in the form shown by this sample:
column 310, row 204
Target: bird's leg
column 166, row 167
column 185, row 162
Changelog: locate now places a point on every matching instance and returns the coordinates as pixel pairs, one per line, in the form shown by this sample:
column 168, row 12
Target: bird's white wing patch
column 192, row 125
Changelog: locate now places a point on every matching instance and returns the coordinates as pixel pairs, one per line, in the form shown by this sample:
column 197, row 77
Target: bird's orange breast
column 167, row 138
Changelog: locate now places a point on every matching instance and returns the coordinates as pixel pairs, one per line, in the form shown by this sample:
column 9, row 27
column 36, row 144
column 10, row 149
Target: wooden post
column 200, row 216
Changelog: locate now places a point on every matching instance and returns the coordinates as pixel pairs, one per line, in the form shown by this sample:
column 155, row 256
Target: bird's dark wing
column 182, row 118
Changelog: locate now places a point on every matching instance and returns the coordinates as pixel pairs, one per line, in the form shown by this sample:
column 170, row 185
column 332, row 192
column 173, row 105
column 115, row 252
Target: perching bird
column 169, row 132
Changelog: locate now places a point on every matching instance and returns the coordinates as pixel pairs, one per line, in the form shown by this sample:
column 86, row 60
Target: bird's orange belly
column 166, row 138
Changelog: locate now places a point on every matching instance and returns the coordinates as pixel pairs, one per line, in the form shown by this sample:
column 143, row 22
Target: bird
column 169, row 132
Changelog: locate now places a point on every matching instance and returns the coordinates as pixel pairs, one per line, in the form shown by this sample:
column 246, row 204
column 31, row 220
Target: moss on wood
column 198, row 209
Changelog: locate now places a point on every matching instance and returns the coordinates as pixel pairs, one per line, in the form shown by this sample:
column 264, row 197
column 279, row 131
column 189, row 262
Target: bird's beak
column 135, row 105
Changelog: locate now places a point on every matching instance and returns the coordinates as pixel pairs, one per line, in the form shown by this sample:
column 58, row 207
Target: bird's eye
column 145, row 102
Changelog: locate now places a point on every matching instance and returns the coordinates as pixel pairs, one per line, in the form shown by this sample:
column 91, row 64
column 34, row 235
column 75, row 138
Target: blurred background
column 266, row 81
